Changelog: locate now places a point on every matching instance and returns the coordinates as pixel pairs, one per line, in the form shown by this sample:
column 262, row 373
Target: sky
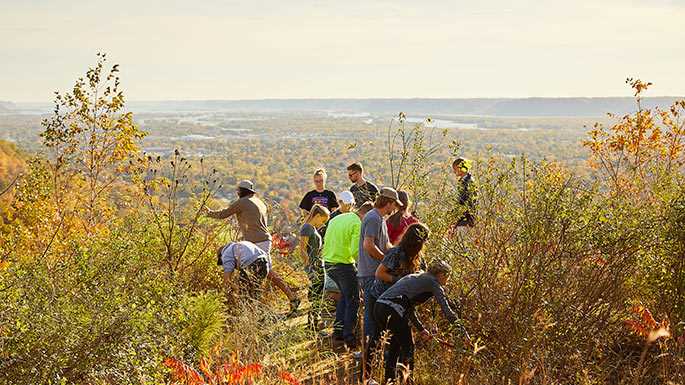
column 212, row 49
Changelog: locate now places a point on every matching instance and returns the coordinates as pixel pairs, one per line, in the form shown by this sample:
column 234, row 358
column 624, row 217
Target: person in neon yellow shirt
column 340, row 252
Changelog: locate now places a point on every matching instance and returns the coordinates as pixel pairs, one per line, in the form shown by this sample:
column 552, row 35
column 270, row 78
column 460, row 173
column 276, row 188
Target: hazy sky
column 211, row 49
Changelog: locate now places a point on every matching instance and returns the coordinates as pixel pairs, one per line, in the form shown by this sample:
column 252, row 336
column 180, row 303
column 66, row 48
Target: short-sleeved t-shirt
column 313, row 244
column 373, row 226
column 394, row 233
column 341, row 243
column 325, row 198
column 393, row 262
column 364, row 193
column 323, row 228
column 242, row 254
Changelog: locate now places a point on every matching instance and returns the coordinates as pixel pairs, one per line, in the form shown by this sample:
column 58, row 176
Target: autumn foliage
column 108, row 272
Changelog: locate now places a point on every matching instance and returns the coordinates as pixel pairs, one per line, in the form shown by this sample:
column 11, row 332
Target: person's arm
column 415, row 320
column 304, row 240
column 354, row 239
column 306, row 203
column 372, row 249
column 332, row 202
column 383, row 274
column 439, row 294
column 228, row 278
column 373, row 191
column 234, row 208
column 371, row 229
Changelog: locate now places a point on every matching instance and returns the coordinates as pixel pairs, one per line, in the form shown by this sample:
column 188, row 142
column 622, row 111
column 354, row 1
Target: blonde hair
column 316, row 210
column 345, row 207
column 322, row 172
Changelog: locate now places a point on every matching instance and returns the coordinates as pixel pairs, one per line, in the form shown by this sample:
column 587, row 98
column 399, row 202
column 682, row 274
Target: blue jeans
column 366, row 284
column 345, row 276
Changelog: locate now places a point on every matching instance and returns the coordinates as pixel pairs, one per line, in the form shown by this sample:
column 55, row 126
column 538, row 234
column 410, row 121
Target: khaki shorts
column 329, row 284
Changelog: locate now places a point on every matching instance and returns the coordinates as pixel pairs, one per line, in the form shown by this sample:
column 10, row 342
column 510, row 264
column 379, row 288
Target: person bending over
column 252, row 264
column 395, row 308
column 401, row 260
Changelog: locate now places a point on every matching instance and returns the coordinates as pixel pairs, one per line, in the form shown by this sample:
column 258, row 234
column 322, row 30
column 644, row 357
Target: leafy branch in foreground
column 176, row 204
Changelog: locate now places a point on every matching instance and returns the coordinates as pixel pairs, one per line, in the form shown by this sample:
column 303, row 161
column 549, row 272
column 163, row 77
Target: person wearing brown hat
column 253, row 223
column 373, row 243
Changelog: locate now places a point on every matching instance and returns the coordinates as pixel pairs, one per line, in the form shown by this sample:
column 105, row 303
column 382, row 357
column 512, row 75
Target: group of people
column 361, row 244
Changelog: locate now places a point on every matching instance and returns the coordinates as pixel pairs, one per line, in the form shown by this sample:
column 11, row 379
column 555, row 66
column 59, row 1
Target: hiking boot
column 351, row 344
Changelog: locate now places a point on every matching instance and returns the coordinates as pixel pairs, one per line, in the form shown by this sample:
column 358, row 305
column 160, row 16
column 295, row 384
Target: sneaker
column 357, row 356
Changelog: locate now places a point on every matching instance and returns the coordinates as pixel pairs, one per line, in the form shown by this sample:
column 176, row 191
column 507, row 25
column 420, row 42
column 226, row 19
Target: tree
column 91, row 137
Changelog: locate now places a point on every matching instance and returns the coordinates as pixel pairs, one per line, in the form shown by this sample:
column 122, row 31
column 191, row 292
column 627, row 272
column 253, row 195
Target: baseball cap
column 346, row 197
column 247, row 185
column 391, row 193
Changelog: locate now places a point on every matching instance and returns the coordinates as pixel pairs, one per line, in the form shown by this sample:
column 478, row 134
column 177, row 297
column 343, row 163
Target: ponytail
column 317, row 209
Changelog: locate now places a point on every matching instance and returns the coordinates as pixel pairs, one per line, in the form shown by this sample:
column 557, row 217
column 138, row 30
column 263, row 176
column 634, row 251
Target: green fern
column 205, row 318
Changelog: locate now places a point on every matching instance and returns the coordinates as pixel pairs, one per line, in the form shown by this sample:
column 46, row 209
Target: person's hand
column 424, row 336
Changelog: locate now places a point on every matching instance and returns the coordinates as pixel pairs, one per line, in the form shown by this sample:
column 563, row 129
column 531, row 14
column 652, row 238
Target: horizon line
column 364, row 98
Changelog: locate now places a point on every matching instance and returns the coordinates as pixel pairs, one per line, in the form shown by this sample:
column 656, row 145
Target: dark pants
column 345, row 276
column 252, row 277
column 370, row 304
column 401, row 347
column 315, row 294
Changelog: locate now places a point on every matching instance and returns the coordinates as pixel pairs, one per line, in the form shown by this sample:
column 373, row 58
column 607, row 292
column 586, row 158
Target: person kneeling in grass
column 310, row 249
column 252, row 263
column 395, row 308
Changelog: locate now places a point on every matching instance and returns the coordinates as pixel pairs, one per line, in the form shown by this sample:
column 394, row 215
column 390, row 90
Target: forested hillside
column 574, row 272
column 12, row 162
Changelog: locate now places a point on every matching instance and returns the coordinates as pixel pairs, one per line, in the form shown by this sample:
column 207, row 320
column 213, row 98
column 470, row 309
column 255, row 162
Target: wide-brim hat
column 391, row 193
column 247, row 185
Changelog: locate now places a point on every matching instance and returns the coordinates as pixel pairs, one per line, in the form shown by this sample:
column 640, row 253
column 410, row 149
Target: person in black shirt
column 466, row 197
column 363, row 190
column 319, row 195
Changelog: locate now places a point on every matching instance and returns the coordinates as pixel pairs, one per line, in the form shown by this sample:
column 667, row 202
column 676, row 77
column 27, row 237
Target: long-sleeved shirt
column 252, row 218
column 413, row 290
column 466, row 200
